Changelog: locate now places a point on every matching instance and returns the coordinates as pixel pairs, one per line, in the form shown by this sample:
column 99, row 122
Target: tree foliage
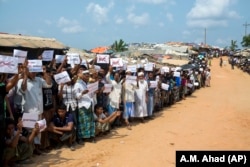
column 119, row 46
column 246, row 41
column 233, row 45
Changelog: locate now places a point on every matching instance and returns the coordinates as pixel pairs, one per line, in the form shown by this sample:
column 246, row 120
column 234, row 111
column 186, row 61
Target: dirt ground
column 213, row 118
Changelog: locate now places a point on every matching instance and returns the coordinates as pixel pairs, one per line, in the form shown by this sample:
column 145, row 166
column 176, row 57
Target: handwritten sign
column 47, row 55
column 153, row 84
column 92, row 87
column 165, row 69
column 20, row 54
column 59, row 58
column 132, row 68
column 102, row 58
column 8, row 64
column 131, row 79
column 35, row 65
column 164, row 86
column 116, row 62
column 148, row 67
column 177, row 74
column 73, row 58
column 107, row 88
column 29, row 120
column 62, row 77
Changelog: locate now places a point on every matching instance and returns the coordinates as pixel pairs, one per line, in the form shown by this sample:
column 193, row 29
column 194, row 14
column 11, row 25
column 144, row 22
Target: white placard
column 107, row 88
column 196, row 84
column 132, row 68
column 153, row 84
column 97, row 68
column 62, row 77
column 73, row 58
column 29, row 120
column 59, row 58
column 177, row 74
column 189, row 85
column 131, row 79
column 164, row 86
column 116, row 62
column 8, row 64
column 148, row 67
column 20, row 54
column 42, row 125
column 164, row 69
column 102, row 58
column 35, row 65
column 92, row 87
column 47, row 55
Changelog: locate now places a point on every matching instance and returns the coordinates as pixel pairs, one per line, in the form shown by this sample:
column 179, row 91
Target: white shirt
column 84, row 100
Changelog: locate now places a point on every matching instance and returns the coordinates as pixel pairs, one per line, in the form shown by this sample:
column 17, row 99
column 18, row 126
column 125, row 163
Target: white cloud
column 211, row 13
column 99, row 13
column 69, row 26
column 186, row 32
column 118, row 20
column 138, row 20
column 161, row 24
column 170, row 17
column 48, row 22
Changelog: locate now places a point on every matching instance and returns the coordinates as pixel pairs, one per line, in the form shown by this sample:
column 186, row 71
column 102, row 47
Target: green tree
column 246, row 41
column 119, row 46
column 233, row 45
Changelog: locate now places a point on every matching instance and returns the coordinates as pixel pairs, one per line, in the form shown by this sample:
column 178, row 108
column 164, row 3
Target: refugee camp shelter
column 34, row 45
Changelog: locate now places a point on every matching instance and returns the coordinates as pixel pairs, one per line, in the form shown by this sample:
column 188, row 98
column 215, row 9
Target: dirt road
column 214, row 118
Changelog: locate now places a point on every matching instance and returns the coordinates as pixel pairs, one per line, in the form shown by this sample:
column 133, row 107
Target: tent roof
column 11, row 40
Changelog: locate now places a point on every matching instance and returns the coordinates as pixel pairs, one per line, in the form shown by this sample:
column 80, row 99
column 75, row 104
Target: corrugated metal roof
column 10, row 40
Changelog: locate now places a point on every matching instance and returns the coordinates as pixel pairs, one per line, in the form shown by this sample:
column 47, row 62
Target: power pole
column 205, row 38
column 246, row 25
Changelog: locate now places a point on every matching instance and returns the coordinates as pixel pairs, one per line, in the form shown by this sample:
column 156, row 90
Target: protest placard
column 20, row 54
column 92, row 87
column 107, row 88
column 62, row 77
column 131, row 79
column 177, row 74
column 73, row 58
column 116, row 62
column 148, row 67
column 59, row 58
column 29, row 120
column 47, row 55
column 102, row 58
column 8, row 64
column 35, row 65
column 153, row 84
column 164, row 86
column 42, row 124
column 132, row 68
column 189, row 85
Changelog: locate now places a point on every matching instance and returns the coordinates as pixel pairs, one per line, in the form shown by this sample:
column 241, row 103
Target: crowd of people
column 74, row 115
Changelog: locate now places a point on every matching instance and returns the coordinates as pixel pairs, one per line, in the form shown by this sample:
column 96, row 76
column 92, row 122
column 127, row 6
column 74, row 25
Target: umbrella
column 189, row 66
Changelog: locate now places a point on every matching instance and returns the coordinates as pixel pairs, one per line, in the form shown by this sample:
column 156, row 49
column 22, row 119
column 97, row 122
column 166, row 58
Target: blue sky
column 87, row 24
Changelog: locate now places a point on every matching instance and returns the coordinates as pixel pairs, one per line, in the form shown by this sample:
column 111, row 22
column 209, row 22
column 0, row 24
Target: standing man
column 30, row 88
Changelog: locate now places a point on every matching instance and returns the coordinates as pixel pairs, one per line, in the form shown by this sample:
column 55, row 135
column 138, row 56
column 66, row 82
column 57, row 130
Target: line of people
column 75, row 116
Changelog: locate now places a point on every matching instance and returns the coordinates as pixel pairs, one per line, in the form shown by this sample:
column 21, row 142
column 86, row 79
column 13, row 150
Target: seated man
column 18, row 148
column 62, row 127
column 102, row 121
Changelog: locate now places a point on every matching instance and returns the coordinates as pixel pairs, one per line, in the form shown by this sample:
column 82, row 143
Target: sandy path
column 214, row 118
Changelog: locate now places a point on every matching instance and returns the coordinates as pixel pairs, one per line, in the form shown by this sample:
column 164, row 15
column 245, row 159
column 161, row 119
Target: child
column 102, row 121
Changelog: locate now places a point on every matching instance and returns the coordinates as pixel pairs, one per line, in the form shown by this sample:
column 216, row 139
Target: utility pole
column 246, row 25
column 205, row 38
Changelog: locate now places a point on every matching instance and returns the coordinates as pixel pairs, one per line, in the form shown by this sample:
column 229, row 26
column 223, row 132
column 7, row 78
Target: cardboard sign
column 102, row 58
column 8, row 64
column 59, row 58
column 21, row 55
column 73, row 58
column 47, row 55
column 62, row 77
column 35, row 65
column 116, row 62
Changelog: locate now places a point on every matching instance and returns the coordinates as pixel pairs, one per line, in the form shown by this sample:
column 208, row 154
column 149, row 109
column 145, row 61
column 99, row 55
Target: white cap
column 140, row 74
column 85, row 72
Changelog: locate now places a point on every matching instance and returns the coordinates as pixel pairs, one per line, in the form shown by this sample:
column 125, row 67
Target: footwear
column 65, row 136
column 25, row 161
column 72, row 148
column 129, row 127
column 81, row 142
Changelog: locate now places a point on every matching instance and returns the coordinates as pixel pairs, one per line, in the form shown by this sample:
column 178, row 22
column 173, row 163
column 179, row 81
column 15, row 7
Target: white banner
column 153, row 84
column 92, row 87
column 177, row 74
column 107, row 88
column 20, row 54
column 73, row 58
column 116, row 62
column 62, row 77
column 8, row 64
column 47, row 55
column 102, row 58
column 29, row 120
column 132, row 68
column 148, row 67
column 35, row 65
column 131, row 79
column 59, row 58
